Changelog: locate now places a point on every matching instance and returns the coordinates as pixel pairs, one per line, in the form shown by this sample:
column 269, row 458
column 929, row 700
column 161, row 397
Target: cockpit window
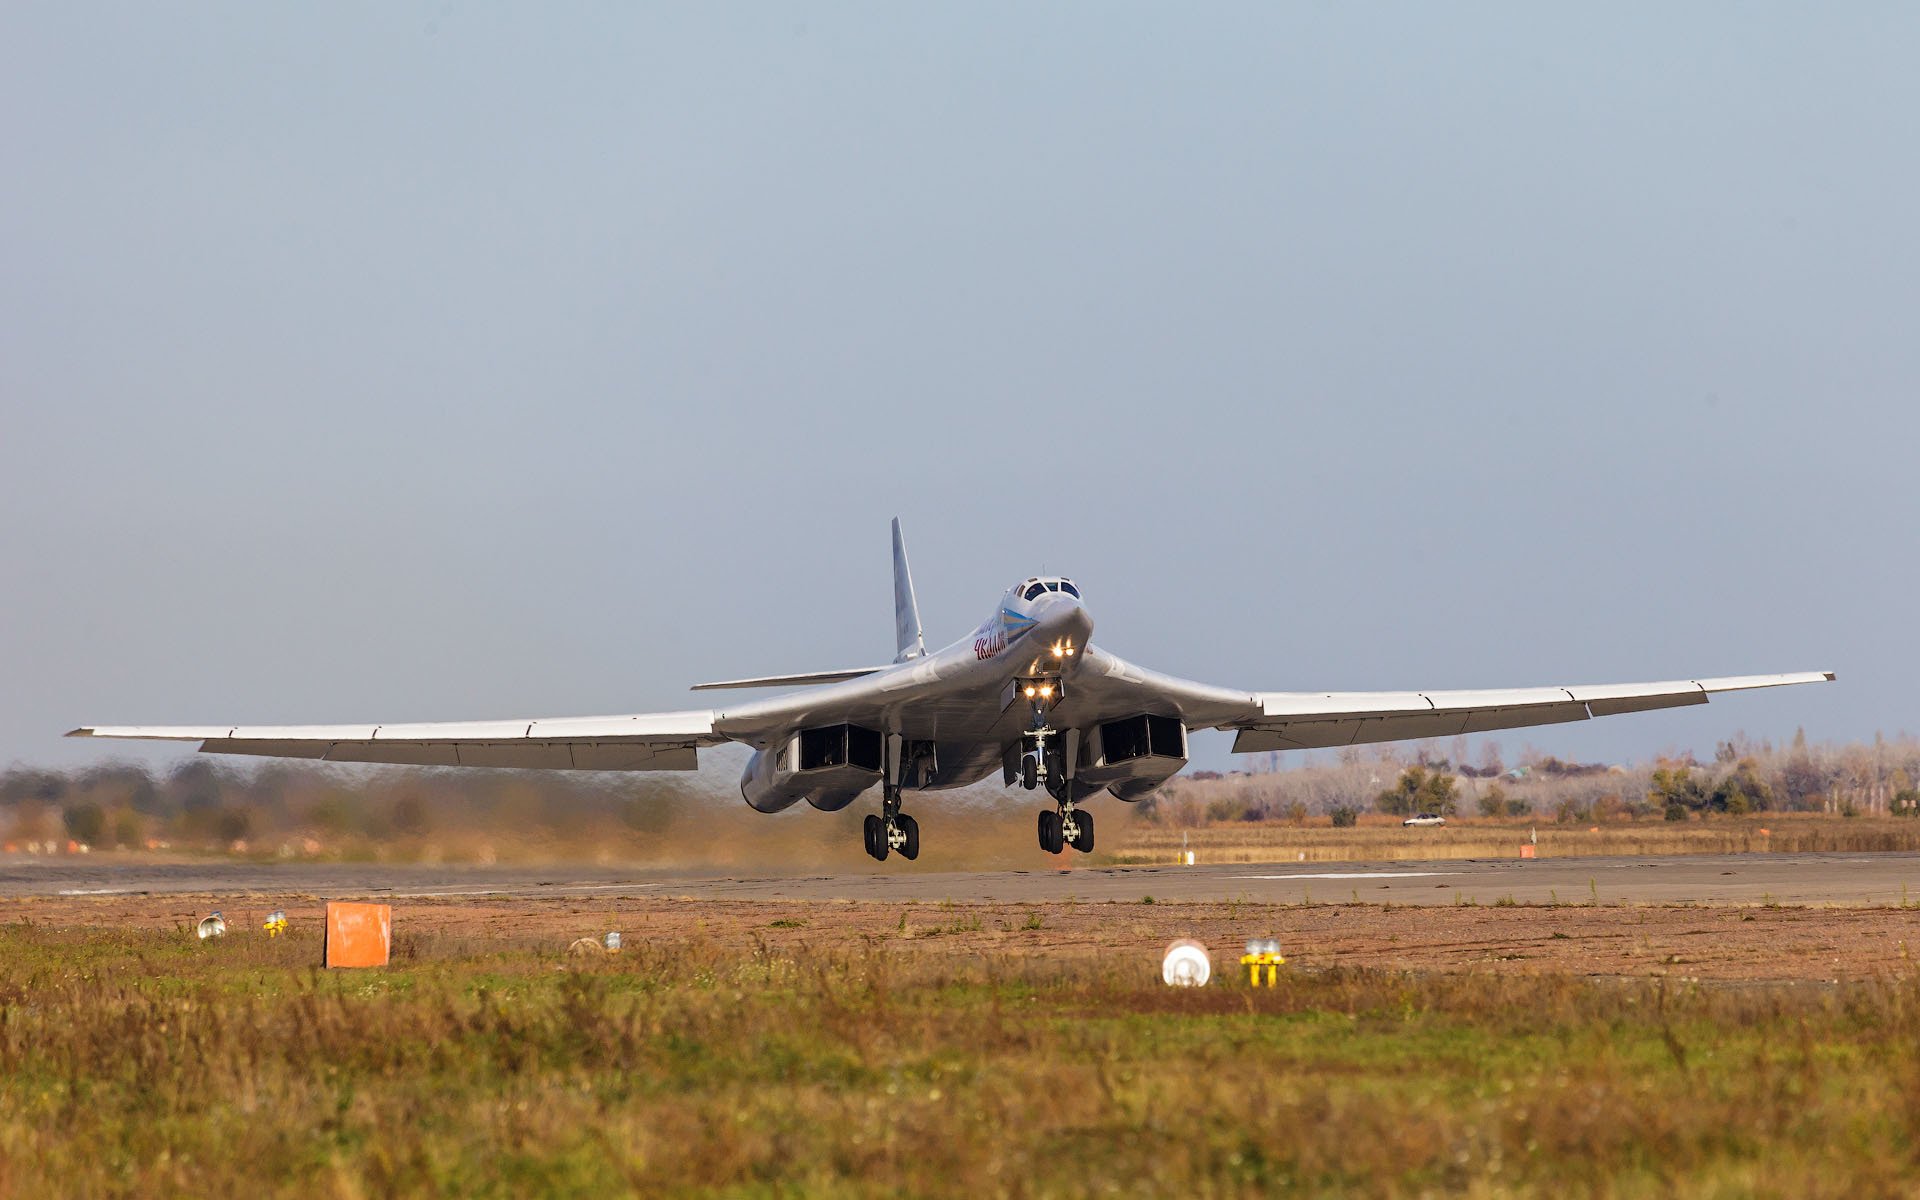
column 1053, row 585
column 1035, row 590
column 1066, row 585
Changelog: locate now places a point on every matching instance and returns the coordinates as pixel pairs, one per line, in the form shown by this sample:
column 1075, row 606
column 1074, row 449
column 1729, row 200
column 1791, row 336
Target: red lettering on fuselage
column 992, row 644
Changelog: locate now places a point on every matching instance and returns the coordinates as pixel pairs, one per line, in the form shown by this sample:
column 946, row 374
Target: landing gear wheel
column 1050, row 839
column 1030, row 771
column 1084, row 819
column 910, row 850
column 876, row 831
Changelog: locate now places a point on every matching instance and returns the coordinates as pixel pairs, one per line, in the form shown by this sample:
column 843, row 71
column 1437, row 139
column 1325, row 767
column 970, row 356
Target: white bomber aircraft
column 1026, row 693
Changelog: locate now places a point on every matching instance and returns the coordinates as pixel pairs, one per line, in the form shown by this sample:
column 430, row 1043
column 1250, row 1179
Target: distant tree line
column 1744, row 777
column 304, row 809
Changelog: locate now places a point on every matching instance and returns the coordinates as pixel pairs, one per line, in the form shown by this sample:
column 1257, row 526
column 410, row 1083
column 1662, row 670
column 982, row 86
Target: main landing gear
column 1066, row 826
column 1045, row 760
column 890, row 829
column 887, row 834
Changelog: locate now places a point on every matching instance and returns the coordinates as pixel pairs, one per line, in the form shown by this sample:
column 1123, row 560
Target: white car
column 1425, row 819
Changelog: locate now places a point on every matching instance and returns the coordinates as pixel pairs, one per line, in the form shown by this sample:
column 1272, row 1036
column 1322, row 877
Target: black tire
column 1084, row 819
column 1029, row 771
column 876, row 838
column 1050, row 840
column 910, row 827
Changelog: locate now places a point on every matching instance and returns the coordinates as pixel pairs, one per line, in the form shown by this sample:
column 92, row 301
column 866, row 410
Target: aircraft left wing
column 809, row 677
column 635, row 742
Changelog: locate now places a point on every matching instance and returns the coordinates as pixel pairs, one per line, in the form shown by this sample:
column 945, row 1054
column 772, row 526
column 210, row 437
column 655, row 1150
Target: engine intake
column 828, row 767
column 1133, row 756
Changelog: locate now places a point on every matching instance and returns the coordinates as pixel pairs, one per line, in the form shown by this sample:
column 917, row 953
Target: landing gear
column 1050, row 838
column 896, row 831
column 1066, row 826
column 890, row 829
column 1047, row 758
column 1040, row 759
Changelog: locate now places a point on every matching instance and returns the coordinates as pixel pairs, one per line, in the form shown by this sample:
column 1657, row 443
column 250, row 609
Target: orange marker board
column 359, row 935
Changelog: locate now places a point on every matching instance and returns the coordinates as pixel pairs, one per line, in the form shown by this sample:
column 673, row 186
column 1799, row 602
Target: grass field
column 856, row 1061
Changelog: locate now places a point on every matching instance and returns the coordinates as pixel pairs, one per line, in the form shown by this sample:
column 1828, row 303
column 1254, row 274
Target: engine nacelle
column 827, row 767
column 764, row 785
column 1133, row 756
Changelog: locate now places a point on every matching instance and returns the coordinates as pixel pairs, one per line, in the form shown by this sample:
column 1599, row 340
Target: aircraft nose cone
column 1063, row 617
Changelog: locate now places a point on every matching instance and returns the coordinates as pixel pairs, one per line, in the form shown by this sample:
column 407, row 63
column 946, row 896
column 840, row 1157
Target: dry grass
column 1383, row 839
column 138, row 1061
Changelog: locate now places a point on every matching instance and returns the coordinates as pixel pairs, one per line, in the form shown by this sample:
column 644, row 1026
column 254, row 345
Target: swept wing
column 1308, row 720
column 807, row 677
column 635, row 742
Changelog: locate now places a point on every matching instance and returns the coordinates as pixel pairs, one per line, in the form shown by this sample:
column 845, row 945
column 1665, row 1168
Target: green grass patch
column 139, row 1062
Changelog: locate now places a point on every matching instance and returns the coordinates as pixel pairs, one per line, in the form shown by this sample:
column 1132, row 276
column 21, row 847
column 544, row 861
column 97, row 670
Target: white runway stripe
column 1353, row 875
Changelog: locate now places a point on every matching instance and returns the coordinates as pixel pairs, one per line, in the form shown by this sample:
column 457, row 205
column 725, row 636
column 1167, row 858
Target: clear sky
column 446, row 361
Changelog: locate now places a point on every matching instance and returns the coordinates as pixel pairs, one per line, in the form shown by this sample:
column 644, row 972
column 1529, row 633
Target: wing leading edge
column 809, row 677
column 637, row 742
column 1310, row 720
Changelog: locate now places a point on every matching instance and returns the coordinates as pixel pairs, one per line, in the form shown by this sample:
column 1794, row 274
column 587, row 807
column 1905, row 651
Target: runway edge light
column 1186, row 964
column 1262, row 954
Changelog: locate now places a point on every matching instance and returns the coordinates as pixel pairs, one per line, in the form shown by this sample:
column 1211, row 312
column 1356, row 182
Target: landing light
column 1029, row 690
column 1047, row 690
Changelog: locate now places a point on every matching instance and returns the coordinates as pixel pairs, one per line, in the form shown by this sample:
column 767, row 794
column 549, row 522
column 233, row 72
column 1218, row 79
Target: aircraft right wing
column 1308, row 720
column 1305, row 720
column 636, row 742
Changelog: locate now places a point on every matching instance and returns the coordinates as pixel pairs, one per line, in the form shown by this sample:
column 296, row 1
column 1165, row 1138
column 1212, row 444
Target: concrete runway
column 1801, row 879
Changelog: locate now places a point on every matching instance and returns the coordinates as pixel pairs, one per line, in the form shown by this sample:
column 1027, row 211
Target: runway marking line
column 1354, row 875
column 514, row 889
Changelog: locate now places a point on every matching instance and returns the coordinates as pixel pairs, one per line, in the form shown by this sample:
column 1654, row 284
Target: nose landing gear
column 1041, row 759
column 1046, row 758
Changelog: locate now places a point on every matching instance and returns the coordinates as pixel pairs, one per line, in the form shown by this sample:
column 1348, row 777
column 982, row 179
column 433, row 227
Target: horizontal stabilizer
column 788, row 680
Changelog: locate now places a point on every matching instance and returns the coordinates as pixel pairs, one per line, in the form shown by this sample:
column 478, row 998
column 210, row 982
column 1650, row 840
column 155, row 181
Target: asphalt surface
column 1800, row 879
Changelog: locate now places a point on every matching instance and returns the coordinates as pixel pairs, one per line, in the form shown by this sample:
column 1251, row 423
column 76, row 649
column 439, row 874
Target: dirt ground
column 1730, row 943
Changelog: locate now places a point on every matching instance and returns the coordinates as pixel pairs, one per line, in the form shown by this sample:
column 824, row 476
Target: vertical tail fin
column 906, row 610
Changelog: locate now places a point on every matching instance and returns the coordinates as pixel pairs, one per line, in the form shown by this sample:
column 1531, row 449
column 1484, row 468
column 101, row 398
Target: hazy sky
column 441, row 361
